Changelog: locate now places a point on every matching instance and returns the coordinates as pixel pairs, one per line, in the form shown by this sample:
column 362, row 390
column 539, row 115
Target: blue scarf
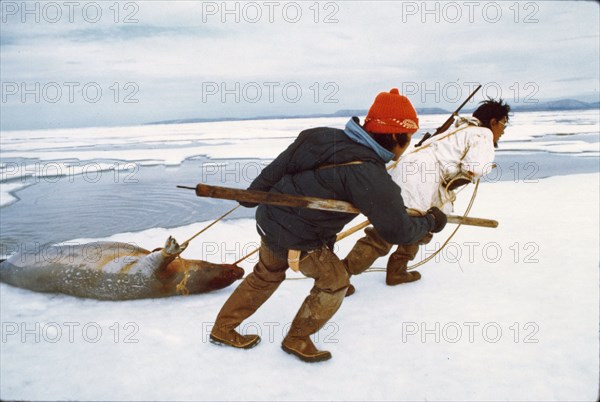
column 358, row 134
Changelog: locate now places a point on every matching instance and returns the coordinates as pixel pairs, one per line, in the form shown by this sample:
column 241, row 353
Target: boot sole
column 399, row 283
column 308, row 359
column 412, row 278
column 220, row 342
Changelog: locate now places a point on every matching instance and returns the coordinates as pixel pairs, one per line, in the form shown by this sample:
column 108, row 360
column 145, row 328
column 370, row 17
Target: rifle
column 448, row 122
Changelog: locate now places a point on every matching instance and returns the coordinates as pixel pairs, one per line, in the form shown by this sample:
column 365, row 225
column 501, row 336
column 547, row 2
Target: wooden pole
column 296, row 201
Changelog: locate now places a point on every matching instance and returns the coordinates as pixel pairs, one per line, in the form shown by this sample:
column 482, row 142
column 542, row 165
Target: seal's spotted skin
column 114, row 271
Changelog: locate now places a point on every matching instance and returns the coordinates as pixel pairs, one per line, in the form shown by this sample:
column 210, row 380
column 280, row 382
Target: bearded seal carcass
column 115, row 271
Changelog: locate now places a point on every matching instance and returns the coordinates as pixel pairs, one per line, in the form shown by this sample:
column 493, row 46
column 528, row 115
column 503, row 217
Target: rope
column 182, row 286
column 186, row 243
column 422, row 147
column 247, row 255
column 366, row 223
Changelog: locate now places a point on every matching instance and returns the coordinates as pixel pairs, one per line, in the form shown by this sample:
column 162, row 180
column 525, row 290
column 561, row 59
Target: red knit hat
column 391, row 113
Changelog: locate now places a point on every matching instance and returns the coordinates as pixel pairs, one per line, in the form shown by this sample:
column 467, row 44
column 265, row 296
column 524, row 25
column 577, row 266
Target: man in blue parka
column 347, row 165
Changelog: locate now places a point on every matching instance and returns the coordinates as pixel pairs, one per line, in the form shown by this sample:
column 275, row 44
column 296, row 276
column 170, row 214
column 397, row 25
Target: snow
column 171, row 144
column 7, row 191
column 68, row 152
column 535, row 279
column 500, row 314
column 164, row 143
column 571, row 147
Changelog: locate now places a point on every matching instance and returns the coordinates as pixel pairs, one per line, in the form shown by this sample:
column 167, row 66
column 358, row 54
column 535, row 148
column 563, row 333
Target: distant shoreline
column 559, row 105
column 564, row 105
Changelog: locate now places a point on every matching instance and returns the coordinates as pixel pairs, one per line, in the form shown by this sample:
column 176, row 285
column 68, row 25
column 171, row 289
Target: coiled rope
column 426, row 260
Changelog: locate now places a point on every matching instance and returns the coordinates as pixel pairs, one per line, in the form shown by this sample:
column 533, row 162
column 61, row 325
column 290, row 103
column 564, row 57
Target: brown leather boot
column 304, row 349
column 364, row 253
column 316, row 310
column 397, row 266
column 246, row 299
column 231, row 337
column 242, row 303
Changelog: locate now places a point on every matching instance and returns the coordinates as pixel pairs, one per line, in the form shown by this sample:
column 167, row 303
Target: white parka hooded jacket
column 466, row 151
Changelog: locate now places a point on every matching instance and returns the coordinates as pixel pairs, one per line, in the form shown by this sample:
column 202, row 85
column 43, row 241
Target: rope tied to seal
column 294, row 259
column 450, row 196
column 181, row 287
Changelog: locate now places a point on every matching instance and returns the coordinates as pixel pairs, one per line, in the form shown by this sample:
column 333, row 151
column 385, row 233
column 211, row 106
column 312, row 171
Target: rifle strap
column 339, row 164
column 437, row 138
column 441, row 138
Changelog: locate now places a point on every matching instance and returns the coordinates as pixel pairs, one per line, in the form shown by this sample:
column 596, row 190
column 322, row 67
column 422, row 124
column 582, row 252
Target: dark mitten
column 439, row 219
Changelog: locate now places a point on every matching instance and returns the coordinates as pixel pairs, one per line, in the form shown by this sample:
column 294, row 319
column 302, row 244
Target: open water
column 101, row 203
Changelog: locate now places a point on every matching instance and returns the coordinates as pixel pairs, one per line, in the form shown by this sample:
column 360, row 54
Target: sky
column 92, row 63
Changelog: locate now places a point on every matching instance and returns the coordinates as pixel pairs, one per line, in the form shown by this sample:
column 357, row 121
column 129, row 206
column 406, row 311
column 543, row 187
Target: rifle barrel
column 449, row 121
column 466, row 100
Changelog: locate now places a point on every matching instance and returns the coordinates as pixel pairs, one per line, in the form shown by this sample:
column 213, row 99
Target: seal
column 115, row 271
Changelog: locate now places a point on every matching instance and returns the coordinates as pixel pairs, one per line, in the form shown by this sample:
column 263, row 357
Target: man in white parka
column 427, row 176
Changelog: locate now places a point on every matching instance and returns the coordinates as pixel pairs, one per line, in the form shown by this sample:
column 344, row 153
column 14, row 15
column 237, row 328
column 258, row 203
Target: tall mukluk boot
column 316, row 310
column 398, row 263
column 242, row 303
column 364, row 253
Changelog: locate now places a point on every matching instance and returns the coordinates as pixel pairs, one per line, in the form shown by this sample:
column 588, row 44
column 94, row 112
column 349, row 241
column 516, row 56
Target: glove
column 248, row 204
column 438, row 217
